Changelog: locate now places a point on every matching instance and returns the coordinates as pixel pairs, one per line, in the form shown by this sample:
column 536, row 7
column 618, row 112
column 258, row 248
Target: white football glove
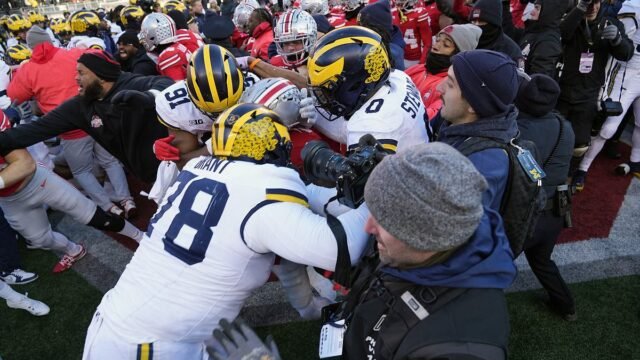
column 308, row 111
column 243, row 62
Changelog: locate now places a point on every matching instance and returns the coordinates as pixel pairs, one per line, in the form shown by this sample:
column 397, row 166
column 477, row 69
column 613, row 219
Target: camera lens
column 322, row 165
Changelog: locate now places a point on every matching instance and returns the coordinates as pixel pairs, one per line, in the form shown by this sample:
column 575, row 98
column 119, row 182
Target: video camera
column 325, row 167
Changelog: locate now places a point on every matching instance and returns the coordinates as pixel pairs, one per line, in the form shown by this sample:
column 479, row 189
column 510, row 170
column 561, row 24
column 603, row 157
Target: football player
column 413, row 21
column 295, row 35
column 358, row 93
column 26, row 188
column 85, row 27
column 213, row 242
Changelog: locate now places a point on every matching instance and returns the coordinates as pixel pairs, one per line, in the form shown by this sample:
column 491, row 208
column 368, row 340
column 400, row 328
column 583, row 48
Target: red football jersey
column 173, row 61
column 416, row 29
column 189, row 39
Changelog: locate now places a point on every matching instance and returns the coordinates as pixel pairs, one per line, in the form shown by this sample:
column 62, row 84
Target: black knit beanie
column 102, row 64
column 538, row 96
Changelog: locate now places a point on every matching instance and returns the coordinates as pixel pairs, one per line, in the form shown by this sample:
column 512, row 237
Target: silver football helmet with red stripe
column 295, row 25
column 157, row 29
column 406, row 4
column 350, row 5
column 279, row 95
column 315, row 7
column 242, row 13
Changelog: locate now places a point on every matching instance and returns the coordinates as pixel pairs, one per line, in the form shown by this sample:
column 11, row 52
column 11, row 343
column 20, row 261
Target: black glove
column 237, row 341
column 134, row 99
column 584, row 4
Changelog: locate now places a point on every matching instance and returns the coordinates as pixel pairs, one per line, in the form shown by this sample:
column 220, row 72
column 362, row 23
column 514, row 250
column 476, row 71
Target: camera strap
column 555, row 147
column 342, row 274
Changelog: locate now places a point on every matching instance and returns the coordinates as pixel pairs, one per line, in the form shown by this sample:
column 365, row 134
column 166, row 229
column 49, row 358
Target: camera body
column 610, row 107
column 349, row 174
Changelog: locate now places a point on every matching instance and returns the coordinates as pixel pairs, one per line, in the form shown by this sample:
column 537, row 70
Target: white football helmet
column 242, row 13
column 286, row 5
column 157, row 29
column 350, row 5
column 279, row 95
column 295, row 25
column 315, row 7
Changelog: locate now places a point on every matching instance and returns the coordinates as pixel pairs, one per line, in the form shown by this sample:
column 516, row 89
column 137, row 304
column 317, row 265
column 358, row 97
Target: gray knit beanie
column 429, row 196
column 37, row 35
column 465, row 36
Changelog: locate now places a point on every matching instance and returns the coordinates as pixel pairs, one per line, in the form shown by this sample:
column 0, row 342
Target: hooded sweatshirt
column 493, row 37
column 541, row 44
column 486, row 261
column 34, row 80
column 492, row 163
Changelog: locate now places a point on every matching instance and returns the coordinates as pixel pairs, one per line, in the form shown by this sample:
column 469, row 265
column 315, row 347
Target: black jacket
column 505, row 45
column 140, row 63
column 127, row 133
column 576, row 87
column 541, row 44
column 544, row 131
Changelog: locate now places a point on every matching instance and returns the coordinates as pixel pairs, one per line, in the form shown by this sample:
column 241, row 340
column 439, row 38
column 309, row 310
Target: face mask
column 437, row 63
column 489, row 34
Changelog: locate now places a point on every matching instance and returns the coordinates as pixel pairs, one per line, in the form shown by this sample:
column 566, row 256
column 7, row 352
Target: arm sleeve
column 493, row 164
column 295, row 233
column 544, row 58
column 335, row 130
column 624, row 50
column 570, row 24
column 176, row 73
column 54, row 123
column 18, row 90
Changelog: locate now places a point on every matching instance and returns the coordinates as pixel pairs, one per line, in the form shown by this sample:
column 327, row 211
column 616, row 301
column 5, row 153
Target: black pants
column 9, row 257
column 538, row 252
column 581, row 116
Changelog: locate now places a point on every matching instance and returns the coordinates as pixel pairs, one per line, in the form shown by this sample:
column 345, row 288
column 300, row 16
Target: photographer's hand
column 235, row 341
column 611, row 33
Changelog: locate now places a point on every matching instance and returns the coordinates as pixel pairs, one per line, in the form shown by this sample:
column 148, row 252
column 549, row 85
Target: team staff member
column 113, row 107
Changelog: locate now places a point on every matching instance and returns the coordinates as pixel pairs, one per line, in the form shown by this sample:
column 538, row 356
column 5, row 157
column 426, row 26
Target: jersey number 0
column 201, row 207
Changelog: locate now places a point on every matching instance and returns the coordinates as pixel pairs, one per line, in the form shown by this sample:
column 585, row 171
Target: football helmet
column 279, row 95
column 406, row 4
column 350, row 5
column 60, row 27
column 174, row 5
column 35, row 16
column 17, row 54
column 295, row 25
column 84, row 22
column 157, row 29
column 346, row 68
column 242, row 13
column 130, row 14
column 214, row 80
column 251, row 132
column 275, row 7
column 315, row 7
column 16, row 23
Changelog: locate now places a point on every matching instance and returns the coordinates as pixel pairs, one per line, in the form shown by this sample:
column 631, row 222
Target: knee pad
column 580, row 150
column 104, row 221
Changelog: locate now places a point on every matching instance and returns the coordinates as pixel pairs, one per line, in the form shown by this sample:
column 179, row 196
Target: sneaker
column 578, row 180
column 129, row 208
column 17, row 277
column 35, row 307
column 68, row 260
column 115, row 210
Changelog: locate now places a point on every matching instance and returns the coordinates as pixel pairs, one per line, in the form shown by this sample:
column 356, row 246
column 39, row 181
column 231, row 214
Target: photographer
column 588, row 39
column 554, row 140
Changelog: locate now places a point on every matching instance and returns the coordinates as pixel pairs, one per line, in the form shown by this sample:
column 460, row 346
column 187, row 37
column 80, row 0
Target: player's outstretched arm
column 21, row 165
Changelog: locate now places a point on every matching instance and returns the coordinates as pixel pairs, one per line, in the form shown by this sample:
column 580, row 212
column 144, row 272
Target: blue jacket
column 486, row 261
column 397, row 46
column 492, row 163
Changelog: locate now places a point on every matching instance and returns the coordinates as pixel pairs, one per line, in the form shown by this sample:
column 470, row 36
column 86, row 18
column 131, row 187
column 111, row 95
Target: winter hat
column 465, row 36
column 538, row 96
column 179, row 18
column 101, row 63
column 37, row 35
column 322, row 23
column 429, row 196
column 377, row 14
column 217, row 27
column 487, row 10
column 129, row 37
column 488, row 80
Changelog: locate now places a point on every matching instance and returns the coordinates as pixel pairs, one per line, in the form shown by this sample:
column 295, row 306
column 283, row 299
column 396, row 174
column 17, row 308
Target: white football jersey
column 5, row 78
column 394, row 115
column 176, row 110
column 212, row 242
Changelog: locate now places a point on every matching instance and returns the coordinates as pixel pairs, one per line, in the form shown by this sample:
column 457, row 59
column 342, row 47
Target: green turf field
column 608, row 326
